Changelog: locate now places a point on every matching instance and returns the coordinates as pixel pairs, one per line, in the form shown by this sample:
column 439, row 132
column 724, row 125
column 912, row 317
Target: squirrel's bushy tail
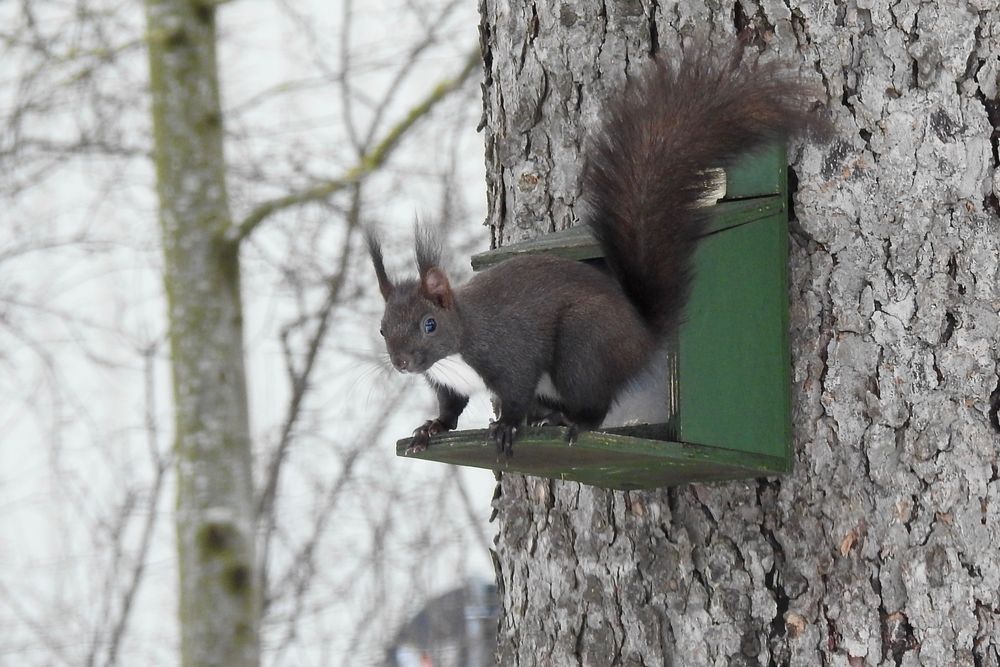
column 648, row 164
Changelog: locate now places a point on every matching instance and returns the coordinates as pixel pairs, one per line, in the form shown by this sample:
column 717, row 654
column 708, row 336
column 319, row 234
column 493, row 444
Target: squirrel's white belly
column 461, row 378
column 454, row 373
column 547, row 389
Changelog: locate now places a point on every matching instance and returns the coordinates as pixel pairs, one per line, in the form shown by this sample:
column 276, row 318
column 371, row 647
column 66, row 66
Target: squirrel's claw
column 552, row 418
column 422, row 435
column 503, row 435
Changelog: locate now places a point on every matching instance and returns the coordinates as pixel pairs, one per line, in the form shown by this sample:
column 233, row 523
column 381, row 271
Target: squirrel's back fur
column 647, row 169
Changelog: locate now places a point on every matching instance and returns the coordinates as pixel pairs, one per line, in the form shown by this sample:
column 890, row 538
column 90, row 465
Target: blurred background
column 366, row 558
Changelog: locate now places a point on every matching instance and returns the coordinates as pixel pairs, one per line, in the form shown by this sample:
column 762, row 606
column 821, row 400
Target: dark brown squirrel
column 547, row 333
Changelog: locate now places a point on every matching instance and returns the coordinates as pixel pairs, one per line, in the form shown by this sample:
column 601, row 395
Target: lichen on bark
column 219, row 591
column 880, row 547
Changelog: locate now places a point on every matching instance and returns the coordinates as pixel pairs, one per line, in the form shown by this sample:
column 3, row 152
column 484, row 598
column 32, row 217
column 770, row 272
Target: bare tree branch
column 161, row 464
column 41, row 629
column 303, row 567
column 300, row 379
column 471, row 513
column 345, row 86
column 367, row 164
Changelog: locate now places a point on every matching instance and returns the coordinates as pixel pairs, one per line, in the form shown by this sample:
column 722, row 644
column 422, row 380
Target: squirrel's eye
column 430, row 325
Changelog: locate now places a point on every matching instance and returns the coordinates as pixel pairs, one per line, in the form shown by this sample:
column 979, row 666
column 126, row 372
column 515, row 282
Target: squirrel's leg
column 546, row 412
column 601, row 344
column 513, row 411
column 450, row 407
column 586, row 418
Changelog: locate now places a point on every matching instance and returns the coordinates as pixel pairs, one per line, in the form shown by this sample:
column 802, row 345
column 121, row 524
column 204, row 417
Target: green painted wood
column 757, row 175
column 734, row 358
column 574, row 243
column 577, row 243
column 613, row 460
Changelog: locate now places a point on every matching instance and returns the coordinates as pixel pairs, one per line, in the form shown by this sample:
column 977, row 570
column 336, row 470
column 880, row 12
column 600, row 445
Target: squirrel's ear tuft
column 434, row 286
column 427, row 249
column 375, row 250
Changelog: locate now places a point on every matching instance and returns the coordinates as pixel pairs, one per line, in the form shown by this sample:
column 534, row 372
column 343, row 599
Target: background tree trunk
column 880, row 547
column 219, row 597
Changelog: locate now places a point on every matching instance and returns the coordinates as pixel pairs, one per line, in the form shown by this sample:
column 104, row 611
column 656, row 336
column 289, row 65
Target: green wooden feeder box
column 725, row 403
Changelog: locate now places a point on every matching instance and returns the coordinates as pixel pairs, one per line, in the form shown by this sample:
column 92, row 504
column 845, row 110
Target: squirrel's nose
column 401, row 363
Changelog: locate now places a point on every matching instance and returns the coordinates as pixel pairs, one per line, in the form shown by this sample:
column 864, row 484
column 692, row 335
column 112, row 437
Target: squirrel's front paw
column 422, row 435
column 503, row 435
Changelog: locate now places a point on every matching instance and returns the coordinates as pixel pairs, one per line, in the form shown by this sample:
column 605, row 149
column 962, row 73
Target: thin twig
column 300, row 379
column 347, row 24
column 408, row 63
column 44, row 631
column 161, row 464
column 475, row 521
column 371, row 161
column 303, row 565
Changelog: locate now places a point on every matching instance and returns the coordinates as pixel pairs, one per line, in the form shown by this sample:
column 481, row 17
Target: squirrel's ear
column 434, row 285
column 375, row 250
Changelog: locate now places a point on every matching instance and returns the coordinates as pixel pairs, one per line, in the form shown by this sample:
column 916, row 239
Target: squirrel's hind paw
column 553, row 418
column 503, row 435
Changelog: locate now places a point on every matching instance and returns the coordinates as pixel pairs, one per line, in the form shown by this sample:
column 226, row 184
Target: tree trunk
column 881, row 546
column 219, row 599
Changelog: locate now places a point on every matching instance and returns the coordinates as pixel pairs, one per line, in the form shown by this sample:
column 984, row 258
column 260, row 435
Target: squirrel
column 548, row 333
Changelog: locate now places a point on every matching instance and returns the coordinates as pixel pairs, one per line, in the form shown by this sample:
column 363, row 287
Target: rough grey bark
column 881, row 546
column 219, row 597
